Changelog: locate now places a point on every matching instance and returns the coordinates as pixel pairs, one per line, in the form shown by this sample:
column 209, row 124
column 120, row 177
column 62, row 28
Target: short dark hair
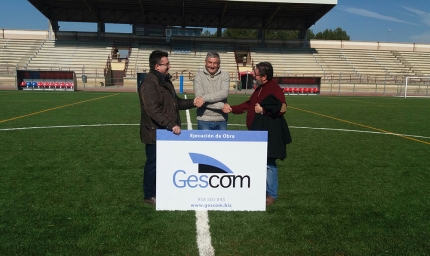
column 155, row 58
column 265, row 69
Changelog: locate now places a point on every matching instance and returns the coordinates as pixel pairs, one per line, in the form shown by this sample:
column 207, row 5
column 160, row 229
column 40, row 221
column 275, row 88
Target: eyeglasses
column 166, row 64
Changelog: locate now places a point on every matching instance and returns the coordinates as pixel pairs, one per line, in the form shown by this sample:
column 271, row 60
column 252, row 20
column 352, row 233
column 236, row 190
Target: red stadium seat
column 300, row 90
column 290, row 90
column 62, row 85
column 306, row 90
column 40, row 84
column 315, row 90
column 296, row 90
column 23, row 84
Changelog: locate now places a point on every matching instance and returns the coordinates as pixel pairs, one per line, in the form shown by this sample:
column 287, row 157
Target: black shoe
column 151, row 201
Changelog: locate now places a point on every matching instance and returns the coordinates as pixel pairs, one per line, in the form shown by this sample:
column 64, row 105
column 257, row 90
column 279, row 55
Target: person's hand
column 258, row 108
column 198, row 102
column 226, row 109
column 176, row 130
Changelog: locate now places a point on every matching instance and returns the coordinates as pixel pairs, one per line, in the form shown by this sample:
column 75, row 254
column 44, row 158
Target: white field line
column 190, row 128
column 360, row 131
column 204, row 240
column 64, row 126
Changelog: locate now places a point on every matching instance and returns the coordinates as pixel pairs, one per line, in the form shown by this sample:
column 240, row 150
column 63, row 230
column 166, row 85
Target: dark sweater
column 259, row 94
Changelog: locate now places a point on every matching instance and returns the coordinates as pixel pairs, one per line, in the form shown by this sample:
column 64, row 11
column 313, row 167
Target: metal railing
column 333, row 84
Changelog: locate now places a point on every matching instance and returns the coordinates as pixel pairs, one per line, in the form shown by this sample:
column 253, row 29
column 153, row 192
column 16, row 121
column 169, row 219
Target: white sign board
column 211, row 170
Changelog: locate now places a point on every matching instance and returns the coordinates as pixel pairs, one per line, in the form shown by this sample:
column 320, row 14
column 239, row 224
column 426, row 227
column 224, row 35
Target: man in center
column 211, row 86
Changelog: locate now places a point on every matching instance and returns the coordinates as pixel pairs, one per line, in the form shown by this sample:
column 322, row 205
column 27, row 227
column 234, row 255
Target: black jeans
column 149, row 171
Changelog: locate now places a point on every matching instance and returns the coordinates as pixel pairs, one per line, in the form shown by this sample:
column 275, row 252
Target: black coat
column 159, row 106
column 278, row 132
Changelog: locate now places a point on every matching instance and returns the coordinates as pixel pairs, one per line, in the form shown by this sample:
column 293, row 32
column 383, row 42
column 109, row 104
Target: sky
column 401, row 21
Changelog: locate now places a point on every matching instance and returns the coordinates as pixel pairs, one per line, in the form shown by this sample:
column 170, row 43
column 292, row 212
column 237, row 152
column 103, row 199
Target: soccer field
column 355, row 182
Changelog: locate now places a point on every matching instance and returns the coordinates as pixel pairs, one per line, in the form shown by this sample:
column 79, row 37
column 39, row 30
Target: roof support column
column 262, row 37
column 219, row 32
column 100, row 29
column 303, row 35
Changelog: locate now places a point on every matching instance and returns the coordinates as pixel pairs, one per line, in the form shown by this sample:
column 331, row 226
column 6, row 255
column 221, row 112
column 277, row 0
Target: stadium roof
column 282, row 15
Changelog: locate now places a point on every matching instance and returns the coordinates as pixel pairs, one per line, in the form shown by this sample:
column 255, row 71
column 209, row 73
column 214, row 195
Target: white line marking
column 204, row 242
column 65, row 126
column 360, row 131
column 187, row 113
column 203, row 234
column 190, row 125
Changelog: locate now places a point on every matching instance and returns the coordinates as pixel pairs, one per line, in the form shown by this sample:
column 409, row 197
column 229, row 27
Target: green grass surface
column 77, row 190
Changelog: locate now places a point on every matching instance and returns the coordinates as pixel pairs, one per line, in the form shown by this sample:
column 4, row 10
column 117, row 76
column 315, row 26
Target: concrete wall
column 23, row 34
column 339, row 44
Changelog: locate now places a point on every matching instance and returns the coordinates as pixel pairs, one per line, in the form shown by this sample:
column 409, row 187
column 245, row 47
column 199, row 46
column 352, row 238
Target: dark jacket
column 278, row 133
column 159, row 105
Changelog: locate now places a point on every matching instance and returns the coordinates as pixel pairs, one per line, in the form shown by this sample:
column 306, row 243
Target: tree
column 239, row 33
column 310, row 34
column 287, row 34
column 269, row 34
column 208, row 33
column 328, row 34
column 281, row 34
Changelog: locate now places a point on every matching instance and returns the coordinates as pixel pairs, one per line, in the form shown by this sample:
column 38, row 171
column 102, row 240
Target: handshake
column 198, row 102
column 226, row 109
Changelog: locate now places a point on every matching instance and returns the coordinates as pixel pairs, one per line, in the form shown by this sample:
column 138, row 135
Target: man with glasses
column 265, row 112
column 159, row 107
column 211, row 87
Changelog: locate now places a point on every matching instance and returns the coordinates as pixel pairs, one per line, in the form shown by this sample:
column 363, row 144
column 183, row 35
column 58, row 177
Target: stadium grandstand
column 114, row 60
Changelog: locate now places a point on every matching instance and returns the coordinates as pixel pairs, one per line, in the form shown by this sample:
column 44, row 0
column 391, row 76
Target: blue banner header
column 210, row 135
